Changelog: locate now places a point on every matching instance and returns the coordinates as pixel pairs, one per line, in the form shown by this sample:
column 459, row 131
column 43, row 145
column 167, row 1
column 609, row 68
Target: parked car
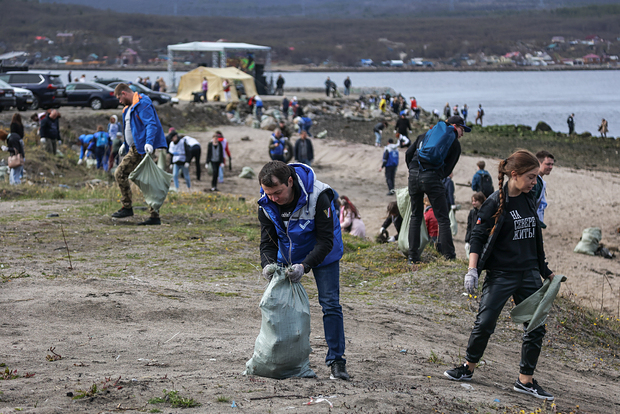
column 47, row 89
column 23, row 98
column 95, row 95
column 7, row 96
column 156, row 97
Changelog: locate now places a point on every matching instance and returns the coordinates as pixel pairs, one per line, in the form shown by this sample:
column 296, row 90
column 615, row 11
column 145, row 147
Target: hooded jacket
column 298, row 239
column 145, row 125
column 390, row 156
column 483, row 244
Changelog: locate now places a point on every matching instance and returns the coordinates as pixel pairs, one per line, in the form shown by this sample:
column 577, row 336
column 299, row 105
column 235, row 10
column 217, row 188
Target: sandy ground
column 136, row 319
column 577, row 199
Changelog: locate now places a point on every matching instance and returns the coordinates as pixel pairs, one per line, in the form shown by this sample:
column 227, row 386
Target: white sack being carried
column 404, row 206
column 590, row 239
column 283, row 344
column 454, row 227
column 152, row 181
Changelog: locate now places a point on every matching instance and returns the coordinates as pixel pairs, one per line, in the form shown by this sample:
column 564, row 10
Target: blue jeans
column 429, row 183
column 328, row 284
column 377, row 138
column 176, row 168
column 15, row 175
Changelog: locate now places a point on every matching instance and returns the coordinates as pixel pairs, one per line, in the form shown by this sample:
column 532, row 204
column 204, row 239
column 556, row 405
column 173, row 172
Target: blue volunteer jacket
column 145, row 125
column 299, row 238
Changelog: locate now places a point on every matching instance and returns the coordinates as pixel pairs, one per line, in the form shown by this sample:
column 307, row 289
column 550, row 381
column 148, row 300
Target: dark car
column 7, row 96
column 95, row 95
column 48, row 89
column 156, row 97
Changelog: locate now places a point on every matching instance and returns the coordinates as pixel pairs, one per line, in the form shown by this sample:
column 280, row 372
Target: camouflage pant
column 126, row 166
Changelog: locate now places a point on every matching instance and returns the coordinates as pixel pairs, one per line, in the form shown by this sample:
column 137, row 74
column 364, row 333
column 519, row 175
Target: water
column 507, row 97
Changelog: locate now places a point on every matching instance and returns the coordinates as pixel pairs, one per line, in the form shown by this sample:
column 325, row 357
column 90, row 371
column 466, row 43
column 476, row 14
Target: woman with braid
column 507, row 242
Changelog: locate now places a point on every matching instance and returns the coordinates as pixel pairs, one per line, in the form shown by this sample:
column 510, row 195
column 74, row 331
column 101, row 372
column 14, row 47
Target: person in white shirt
column 179, row 160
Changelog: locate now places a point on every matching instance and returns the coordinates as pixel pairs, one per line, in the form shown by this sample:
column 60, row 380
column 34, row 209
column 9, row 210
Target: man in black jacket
column 425, row 178
column 50, row 132
column 304, row 152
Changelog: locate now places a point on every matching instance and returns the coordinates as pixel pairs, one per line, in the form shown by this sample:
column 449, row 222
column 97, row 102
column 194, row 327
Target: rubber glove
column 59, row 142
column 80, row 161
column 148, row 148
column 42, row 140
column 295, row 272
column 268, row 271
column 5, row 148
column 471, row 281
column 381, row 230
column 186, row 165
column 122, row 150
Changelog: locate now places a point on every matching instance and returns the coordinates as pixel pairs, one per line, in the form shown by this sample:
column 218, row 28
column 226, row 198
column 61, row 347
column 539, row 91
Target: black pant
column 498, row 287
column 390, row 174
column 421, row 182
column 215, row 166
column 194, row 153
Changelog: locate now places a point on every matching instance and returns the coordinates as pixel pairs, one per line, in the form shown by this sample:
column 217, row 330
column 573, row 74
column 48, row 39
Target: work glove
column 467, row 246
column 59, row 142
column 5, row 148
column 186, row 165
column 80, row 161
column 148, row 148
column 295, row 272
column 42, row 140
column 381, row 230
column 471, row 281
column 122, row 150
column 268, row 271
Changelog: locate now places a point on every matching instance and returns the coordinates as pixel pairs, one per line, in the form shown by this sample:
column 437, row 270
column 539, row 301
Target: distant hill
column 304, row 40
column 323, row 8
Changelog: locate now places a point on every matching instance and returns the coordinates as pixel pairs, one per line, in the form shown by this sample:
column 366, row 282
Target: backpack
column 435, row 146
column 392, row 160
column 486, row 184
column 102, row 138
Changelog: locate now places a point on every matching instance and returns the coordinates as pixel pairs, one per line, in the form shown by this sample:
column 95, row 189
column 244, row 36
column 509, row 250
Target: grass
column 175, row 400
column 223, row 399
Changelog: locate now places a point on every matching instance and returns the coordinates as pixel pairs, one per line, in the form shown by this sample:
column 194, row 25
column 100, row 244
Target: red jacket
column 431, row 222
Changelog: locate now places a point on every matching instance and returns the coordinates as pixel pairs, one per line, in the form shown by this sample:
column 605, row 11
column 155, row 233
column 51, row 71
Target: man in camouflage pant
column 143, row 133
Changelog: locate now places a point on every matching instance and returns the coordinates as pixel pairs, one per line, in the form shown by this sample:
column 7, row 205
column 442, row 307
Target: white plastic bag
column 283, row 344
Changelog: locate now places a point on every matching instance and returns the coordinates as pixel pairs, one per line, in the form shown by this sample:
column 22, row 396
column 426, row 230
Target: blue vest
column 299, row 238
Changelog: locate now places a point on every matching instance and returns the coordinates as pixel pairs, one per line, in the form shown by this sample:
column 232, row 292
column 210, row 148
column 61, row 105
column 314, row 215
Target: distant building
column 130, row 57
column 65, row 37
column 591, row 59
column 125, row 39
column 557, row 39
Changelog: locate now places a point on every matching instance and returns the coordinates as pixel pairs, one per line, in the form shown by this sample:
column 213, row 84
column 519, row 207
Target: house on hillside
column 130, row 57
column 591, row 59
column 557, row 39
column 125, row 39
column 593, row 39
column 65, row 37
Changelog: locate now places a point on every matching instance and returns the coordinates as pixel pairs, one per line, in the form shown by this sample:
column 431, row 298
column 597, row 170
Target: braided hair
column 520, row 162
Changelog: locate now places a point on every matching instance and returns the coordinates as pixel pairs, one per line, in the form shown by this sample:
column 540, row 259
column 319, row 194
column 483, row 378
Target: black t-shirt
column 515, row 247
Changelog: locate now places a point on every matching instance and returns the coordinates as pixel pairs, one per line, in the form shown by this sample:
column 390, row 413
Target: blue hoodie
column 297, row 240
column 145, row 125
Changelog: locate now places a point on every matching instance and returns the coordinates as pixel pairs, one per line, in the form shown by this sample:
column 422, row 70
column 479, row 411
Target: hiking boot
column 339, row 371
column 152, row 221
column 533, row 389
column 461, row 373
column 123, row 212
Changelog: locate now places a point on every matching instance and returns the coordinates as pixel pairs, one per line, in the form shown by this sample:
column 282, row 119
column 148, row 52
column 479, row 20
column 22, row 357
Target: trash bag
column 454, row 227
column 283, row 344
column 153, row 182
column 535, row 309
column 404, row 206
column 247, row 172
column 161, row 160
column 590, row 239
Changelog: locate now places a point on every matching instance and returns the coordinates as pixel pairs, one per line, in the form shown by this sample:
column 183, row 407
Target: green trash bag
column 161, row 160
column 153, row 182
column 590, row 239
column 283, row 344
column 454, row 227
column 247, row 172
column 404, row 206
column 535, row 309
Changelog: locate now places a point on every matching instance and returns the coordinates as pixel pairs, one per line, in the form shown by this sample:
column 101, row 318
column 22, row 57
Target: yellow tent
column 192, row 82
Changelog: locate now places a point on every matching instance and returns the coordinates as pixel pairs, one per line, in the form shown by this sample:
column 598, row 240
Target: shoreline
column 291, row 68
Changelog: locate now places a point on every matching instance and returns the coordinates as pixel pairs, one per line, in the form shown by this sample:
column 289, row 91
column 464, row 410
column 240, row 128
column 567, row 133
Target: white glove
column 122, row 149
column 186, row 165
column 42, row 140
column 268, row 271
column 295, row 272
column 381, row 230
column 453, row 207
column 471, row 281
column 148, row 148
column 80, row 161
column 59, row 142
column 5, row 148
column 467, row 246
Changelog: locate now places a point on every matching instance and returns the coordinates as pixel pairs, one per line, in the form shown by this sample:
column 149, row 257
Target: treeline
column 294, row 40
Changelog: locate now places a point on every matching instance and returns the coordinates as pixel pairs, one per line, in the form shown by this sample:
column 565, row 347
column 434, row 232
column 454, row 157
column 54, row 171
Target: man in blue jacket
column 301, row 231
column 143, row 134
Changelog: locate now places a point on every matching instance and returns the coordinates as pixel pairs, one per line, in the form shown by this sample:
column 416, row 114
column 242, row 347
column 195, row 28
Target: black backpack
column 486, row 185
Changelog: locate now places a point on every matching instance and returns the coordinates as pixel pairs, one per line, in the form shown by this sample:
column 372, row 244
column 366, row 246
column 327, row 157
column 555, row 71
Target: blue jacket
column 476, row 181
column 279, row 150
column 297, row 240
column 145, row 125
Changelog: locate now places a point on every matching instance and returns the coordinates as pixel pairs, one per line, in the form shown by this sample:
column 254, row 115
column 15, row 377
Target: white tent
column 218, row 49
column 192, row 82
